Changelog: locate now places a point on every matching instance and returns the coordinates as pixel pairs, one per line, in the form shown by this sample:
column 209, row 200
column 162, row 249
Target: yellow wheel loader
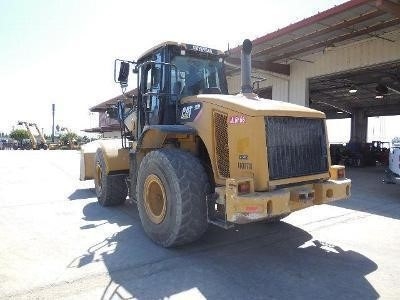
column 191, row 154
column 36, row 142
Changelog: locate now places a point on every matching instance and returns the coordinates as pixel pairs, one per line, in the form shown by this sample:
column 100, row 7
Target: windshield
column 196, row 76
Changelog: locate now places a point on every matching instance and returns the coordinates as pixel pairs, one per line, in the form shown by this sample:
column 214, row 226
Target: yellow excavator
column 192, row 155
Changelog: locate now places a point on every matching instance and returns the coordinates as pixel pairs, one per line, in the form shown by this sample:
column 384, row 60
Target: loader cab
column 171, row 72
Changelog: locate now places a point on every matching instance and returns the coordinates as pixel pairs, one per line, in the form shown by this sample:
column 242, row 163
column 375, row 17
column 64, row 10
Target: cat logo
column 186, row 112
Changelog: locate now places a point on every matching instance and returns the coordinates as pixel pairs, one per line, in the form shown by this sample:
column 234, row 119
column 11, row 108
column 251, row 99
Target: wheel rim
column 99, row 175
column 155, row 200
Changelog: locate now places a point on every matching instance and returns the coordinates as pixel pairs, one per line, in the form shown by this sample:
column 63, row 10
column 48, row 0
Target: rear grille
column 295, row 147
column 221, row 143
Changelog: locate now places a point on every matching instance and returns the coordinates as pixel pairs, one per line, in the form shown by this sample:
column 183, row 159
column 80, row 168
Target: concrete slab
column 57, row 242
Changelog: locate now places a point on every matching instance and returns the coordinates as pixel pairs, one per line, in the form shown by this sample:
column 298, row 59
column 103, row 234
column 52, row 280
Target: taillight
column 244, row 187
column 337, row 172
column 341, row 173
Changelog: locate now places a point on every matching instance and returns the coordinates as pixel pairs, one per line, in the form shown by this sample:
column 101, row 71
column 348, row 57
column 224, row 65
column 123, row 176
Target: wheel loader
column 36, row 142
column 190, row 154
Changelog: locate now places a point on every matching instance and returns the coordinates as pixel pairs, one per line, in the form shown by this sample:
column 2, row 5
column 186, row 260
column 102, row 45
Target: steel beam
column 339, row 26
column 338, row 39
column 389, row 7
column 266, row 66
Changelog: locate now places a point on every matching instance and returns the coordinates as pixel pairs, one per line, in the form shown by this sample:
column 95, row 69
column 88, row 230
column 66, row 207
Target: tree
column 19, row 134
column 69, row 139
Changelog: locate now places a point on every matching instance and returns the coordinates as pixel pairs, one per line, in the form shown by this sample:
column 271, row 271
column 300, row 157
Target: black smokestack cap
column 247, row 46
column 246, row 66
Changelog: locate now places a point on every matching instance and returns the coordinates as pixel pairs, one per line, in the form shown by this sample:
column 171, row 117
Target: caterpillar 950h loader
column 191, row 154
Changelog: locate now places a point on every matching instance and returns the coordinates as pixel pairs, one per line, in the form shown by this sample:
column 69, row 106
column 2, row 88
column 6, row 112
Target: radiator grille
column 295, row 147
column 221, row 143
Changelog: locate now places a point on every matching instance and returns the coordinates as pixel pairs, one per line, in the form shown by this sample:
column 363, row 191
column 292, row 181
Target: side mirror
column 123, row 74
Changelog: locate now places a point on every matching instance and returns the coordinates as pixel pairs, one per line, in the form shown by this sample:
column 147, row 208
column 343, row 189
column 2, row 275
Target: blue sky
column 62, row 52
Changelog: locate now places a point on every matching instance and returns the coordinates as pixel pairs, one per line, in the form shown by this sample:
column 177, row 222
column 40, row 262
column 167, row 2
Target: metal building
column 344, row 61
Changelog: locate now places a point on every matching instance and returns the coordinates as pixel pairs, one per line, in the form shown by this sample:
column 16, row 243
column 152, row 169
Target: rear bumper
column 258, row 206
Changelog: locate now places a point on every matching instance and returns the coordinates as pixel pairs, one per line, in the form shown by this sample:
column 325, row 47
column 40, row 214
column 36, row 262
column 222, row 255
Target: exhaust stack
column 246, row 66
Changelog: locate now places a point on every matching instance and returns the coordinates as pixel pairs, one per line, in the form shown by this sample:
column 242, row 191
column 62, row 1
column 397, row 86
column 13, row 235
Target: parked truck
column 191, row 154
column 392, row 173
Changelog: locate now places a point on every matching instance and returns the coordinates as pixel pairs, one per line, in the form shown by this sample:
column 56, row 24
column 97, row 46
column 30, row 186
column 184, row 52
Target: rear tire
column 111, row 190
column 171, row 191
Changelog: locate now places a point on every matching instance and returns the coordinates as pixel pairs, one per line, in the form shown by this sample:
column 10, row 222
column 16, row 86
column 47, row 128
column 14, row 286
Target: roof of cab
column 167, row 43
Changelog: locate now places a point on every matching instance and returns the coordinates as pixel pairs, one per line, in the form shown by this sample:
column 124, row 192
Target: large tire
column 111, row 190
column 171, row 192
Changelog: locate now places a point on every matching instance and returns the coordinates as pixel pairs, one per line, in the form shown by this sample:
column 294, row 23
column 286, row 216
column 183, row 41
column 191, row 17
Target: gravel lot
column 57, row 242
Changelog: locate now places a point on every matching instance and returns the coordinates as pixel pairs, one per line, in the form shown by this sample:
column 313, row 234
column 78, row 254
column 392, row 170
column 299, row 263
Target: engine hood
column 251, row 105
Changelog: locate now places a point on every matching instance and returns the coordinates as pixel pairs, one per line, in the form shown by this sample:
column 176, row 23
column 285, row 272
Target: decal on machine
column 201, row 49
column 243, row 156
column 190, row 111
column 237, row 120
column 245, row 165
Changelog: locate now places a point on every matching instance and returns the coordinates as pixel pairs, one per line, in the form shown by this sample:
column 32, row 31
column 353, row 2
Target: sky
column 63, row 52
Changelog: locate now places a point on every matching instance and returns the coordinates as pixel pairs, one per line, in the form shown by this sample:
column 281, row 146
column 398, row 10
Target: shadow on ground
column 255, row 261
column 369, row 194
column 81, row 194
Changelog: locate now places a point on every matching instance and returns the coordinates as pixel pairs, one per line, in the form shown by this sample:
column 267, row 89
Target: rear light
column 244, row 187
column 337, row 172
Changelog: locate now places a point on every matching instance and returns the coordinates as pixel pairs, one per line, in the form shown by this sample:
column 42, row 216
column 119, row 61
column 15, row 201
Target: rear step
column 215, row 216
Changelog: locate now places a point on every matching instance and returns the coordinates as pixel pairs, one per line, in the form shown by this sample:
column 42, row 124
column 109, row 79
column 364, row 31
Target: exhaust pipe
column 246, row 66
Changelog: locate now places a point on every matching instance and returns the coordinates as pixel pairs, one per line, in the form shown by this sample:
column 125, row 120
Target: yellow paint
column 248, row 160
column 116, row 158
column 257, row 206
column 243, row 145
column 332, row 190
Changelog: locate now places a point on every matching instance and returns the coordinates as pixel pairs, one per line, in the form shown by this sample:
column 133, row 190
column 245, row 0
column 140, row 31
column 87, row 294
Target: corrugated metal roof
column 351, row 21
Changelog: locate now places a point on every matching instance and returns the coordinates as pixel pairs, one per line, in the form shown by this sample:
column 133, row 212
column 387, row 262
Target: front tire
column 111, row 190
column 171, row 191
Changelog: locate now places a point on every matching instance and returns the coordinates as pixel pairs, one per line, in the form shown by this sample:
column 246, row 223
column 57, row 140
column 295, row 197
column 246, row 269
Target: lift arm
column 32, row 137
column 43, row 140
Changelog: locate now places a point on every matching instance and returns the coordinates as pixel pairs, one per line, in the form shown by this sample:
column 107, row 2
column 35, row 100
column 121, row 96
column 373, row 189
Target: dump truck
column 191, row 155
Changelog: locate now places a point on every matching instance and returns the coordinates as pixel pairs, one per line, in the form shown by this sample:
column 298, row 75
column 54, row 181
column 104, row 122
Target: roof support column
column 299, row 91
column 359, row 127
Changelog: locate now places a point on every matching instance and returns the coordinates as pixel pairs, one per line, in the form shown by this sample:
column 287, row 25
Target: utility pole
column 53, row 106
